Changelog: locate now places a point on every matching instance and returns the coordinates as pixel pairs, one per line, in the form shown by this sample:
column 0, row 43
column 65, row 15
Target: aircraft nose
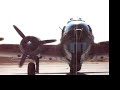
column 82, row 27
column 80, row 35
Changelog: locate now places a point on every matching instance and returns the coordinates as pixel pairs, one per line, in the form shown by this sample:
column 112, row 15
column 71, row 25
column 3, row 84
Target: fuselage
column 76, row 39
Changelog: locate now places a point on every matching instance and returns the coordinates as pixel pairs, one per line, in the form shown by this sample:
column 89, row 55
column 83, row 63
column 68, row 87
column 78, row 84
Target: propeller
column 29, row 42
column 19, row 32
column 22, row 60
column 47, row 41
column 24, row 54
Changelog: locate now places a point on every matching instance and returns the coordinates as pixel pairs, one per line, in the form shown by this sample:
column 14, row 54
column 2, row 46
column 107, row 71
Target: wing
column 52, row 50
column 99, row 48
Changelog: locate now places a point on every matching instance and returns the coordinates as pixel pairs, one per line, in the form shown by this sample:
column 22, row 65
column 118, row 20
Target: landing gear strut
column 37, row 64
column 31, row 67
column 75, row 64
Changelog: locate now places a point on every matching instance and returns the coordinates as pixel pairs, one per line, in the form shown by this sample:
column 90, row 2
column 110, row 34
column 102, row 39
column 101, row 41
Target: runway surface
column 56, row 68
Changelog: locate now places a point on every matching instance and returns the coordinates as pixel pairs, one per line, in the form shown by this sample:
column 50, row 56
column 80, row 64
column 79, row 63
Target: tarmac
column 56, row 68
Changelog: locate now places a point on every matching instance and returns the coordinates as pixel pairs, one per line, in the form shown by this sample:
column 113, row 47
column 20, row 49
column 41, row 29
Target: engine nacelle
column 30, row 45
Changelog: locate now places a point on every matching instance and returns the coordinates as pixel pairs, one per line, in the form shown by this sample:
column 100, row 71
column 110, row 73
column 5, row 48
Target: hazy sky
column 42, row 18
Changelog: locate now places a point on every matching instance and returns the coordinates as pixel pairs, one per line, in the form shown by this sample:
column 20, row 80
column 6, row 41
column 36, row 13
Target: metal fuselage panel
column 77, row 38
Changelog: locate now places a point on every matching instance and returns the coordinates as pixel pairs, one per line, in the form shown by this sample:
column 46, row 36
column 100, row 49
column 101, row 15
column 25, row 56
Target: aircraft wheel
column 74, row 69
column 31, row 68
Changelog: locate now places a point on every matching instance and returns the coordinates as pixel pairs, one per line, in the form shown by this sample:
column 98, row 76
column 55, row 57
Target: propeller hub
column 29, row 45
column 29, row 42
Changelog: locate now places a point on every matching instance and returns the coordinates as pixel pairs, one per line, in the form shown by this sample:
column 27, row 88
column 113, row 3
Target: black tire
column 31, row 68
column 74, row 68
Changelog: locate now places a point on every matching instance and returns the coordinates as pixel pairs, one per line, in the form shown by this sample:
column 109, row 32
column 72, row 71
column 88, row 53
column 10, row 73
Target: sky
column 42, row 18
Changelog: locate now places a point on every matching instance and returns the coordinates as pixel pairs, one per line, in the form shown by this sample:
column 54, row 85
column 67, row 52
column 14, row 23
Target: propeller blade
column 47, row 41
column 19, row 32
column 22, row 60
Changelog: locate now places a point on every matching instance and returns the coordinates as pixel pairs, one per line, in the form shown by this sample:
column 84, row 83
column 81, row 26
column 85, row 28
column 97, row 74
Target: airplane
column 75, row 46
column 1, row 39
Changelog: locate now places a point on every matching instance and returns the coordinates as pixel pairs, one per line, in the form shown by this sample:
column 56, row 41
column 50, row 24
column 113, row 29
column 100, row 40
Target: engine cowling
column 30, row 45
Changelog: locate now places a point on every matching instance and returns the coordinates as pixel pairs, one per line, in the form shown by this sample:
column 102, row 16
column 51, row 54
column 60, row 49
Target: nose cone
column 77, row 26
column 81, row 27
column 78, row 33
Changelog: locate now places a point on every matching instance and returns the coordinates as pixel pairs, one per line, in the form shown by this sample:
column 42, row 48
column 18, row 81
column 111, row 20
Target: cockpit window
column 79, row 26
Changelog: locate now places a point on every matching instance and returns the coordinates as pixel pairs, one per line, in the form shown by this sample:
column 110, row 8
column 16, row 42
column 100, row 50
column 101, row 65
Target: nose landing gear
column 75, row 65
